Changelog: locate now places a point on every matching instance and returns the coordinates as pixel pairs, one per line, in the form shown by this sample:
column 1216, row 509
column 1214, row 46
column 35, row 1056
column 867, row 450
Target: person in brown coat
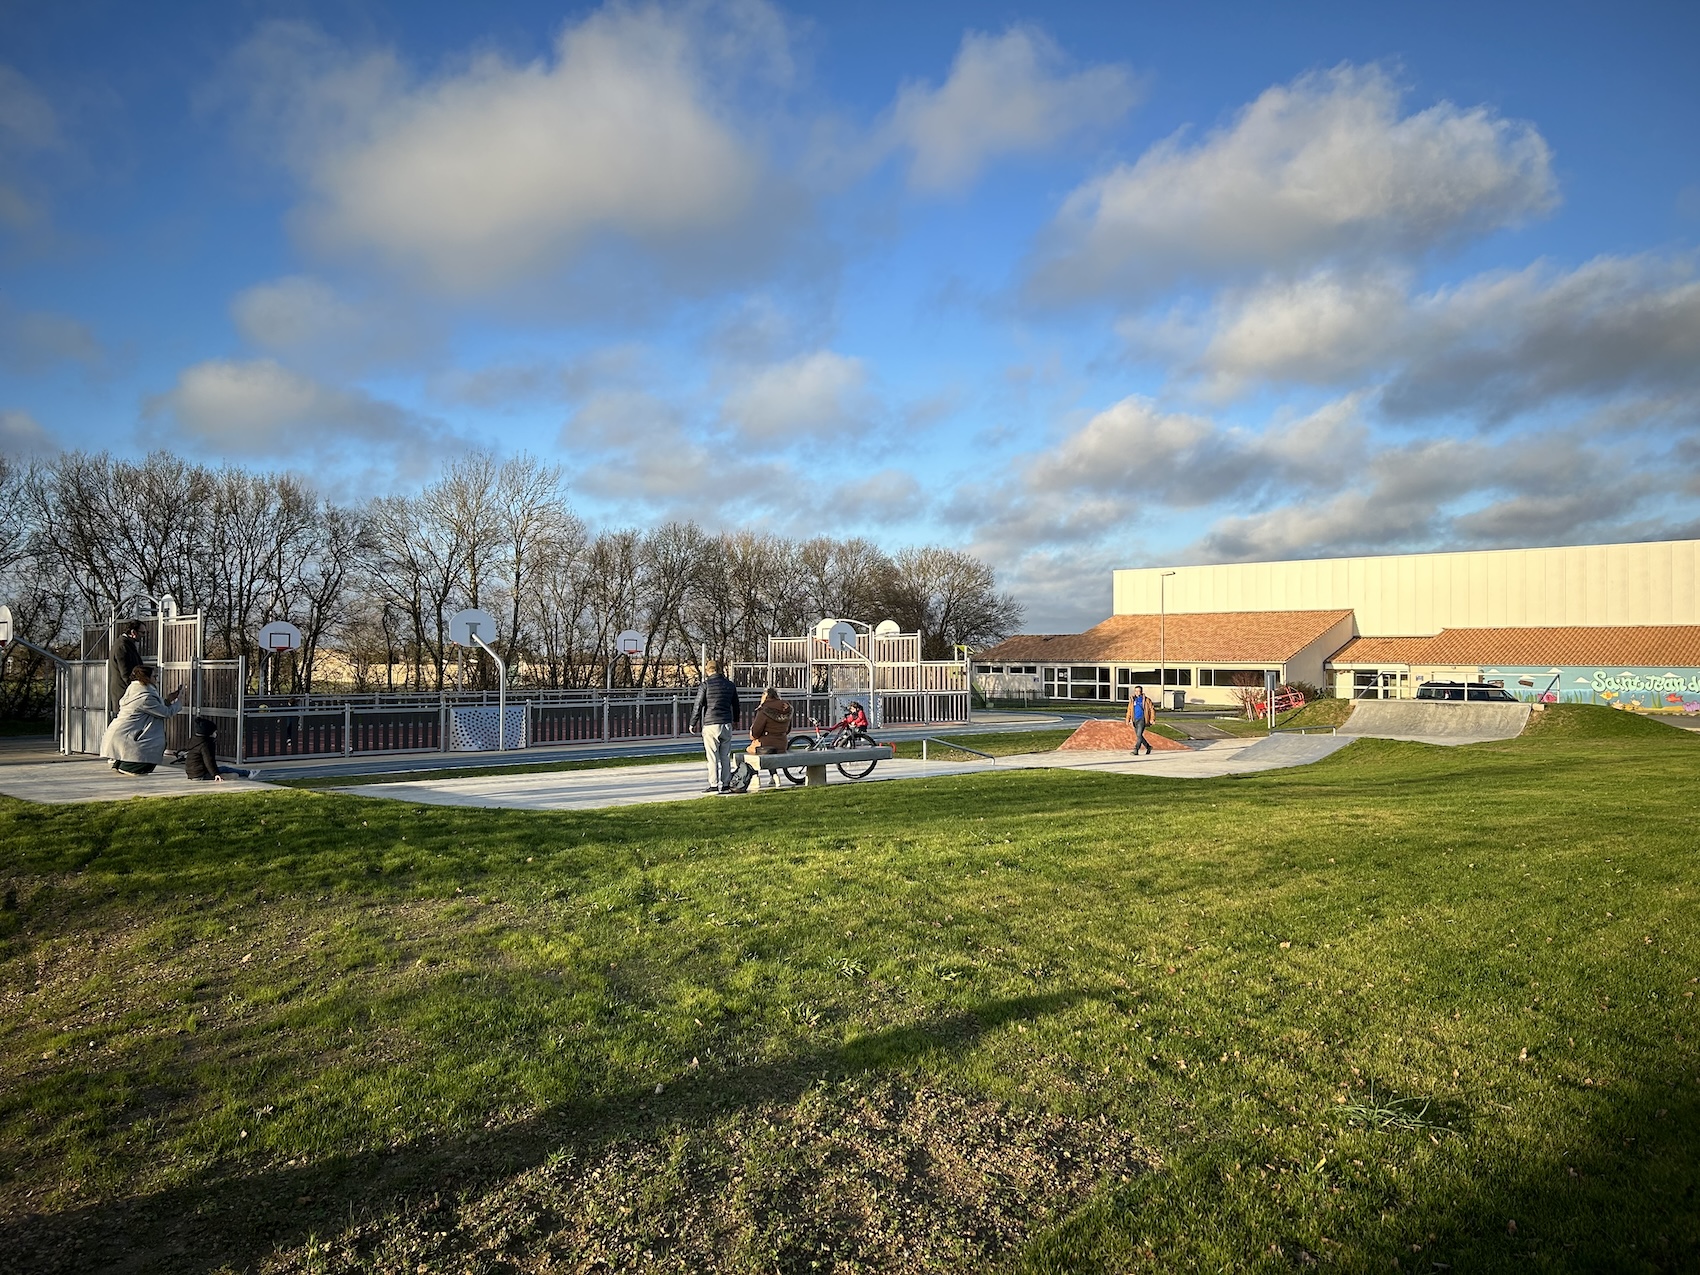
column 768, row 729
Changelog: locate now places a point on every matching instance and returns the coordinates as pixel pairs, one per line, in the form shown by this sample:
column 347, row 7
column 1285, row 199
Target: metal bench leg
column 816, row 777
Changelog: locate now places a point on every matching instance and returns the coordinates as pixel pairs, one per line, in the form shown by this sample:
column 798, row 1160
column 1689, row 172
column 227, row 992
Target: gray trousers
column 717, row 747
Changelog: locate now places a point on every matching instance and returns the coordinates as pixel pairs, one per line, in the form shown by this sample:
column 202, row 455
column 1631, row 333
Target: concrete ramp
column 1436, row 721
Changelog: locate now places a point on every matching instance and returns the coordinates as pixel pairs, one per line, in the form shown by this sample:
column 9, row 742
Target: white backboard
column 823, row 627
column 887, row 628
column 629, row 643
column 280, row 635
column 168, row 607
column 5, row 625
column 463, row 625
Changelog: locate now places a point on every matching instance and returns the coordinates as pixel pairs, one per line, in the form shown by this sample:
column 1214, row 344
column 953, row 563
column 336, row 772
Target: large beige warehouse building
column 1614, row 623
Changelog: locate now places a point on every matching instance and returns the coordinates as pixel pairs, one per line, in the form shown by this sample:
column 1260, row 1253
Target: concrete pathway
column 639, row 785
column 80, row 779
column 85, row 779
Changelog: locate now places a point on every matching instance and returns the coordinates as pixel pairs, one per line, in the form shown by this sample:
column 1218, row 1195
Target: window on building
column 1232, row 676
column 1149, row 678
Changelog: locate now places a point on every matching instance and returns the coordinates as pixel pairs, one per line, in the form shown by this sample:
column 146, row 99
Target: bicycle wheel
column 856, row 769
column 799, row 744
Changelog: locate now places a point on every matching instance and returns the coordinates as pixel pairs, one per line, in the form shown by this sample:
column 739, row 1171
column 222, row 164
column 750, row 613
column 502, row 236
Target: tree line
column 87, row 537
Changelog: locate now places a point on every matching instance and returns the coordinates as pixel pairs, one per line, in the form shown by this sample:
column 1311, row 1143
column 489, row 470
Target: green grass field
column 1410, row 1008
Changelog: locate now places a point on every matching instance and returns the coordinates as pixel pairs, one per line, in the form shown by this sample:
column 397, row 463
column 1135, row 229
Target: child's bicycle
column 851, row 732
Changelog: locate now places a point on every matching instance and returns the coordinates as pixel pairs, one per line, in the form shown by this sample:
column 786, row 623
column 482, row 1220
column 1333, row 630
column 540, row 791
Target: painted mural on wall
column 1646, row 690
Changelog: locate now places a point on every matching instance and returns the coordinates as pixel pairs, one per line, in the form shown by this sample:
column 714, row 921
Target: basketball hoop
column 280, row 637
column 5, row 625
column 629, row 643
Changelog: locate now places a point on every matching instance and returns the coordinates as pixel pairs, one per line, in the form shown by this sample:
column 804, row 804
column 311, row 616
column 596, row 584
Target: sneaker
column 256, row 775
column 715, row 788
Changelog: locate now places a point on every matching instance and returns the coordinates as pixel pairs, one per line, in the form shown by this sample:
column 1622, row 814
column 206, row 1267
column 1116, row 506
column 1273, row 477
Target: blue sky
column 1073, row 286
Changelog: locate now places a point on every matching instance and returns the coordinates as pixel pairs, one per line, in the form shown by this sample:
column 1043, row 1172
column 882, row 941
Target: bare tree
column 533, row 523
column 950, row 598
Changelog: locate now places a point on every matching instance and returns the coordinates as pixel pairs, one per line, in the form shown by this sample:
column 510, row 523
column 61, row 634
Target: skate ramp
column 1108, row 734
column 1436, row 721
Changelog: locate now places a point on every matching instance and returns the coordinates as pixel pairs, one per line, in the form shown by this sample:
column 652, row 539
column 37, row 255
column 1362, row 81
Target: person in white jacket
column 135, row 741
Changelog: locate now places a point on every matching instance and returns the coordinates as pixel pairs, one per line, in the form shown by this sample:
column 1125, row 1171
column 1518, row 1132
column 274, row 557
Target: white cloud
column 1324, row 329
column 261, row 408
column 313, row 324
column 22, row 435
column 1006, row 94
column 1505, row 343
column 1493, row 347
column 1318, row 170
column 28, row 126
column 32, row 341
column 810, row 395
column 294, row 312
column 483, row 177
column 1135, row 452
column 640, row 455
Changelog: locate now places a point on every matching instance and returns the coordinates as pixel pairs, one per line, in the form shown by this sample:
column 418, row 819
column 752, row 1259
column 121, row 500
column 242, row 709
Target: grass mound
column 1319, row 712
column 1373, row 1009
column 1593, row 721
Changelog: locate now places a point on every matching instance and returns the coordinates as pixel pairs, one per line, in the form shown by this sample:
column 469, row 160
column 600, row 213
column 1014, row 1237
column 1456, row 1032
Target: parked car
column 1473, row 692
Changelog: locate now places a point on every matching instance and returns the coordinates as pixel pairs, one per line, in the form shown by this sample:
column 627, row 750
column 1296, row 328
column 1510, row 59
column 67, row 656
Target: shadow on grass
column 1620, row 1194
column 235, row 1220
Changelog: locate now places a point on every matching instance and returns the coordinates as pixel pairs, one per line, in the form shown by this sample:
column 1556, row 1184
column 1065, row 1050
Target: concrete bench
column 815, row 761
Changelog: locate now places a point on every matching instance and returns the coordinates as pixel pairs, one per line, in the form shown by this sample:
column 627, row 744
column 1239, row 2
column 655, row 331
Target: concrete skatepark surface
column 81, row 779
column 84, row 779
column 598, row 789
column 1436, row 721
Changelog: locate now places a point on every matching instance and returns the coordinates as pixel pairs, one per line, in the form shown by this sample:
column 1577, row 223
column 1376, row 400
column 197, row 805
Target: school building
column 1609, row 624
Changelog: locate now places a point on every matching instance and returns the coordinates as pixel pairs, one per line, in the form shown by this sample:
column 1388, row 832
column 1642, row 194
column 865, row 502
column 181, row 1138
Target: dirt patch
column 1103, row 736
column 857, row 1176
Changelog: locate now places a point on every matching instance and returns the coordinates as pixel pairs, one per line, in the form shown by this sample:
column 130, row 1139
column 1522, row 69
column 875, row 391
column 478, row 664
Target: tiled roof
column 1229, row 637
column 1629, row 646
column 1381, row 650
column 1626, row 645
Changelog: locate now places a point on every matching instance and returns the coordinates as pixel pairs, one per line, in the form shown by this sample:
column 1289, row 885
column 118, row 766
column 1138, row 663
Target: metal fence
column 261, row 728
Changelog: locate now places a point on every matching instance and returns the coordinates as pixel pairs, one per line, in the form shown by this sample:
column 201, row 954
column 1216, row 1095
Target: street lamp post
column 1162, row 626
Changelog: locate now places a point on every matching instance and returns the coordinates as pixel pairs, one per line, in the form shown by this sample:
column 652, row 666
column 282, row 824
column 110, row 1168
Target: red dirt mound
column 1105, row 736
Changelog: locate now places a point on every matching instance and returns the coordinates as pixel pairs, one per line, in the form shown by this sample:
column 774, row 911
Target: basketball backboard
column 629, row 643
column 470, row 623
column 887, row 628
column 280, row 636
column 841, row 636
column 5, row 625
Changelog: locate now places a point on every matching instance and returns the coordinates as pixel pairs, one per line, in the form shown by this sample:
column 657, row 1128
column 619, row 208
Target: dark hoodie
column 200, row 759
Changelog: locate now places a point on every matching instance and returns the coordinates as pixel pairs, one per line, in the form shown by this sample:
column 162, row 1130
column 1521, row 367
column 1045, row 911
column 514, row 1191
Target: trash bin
column 1177, row 701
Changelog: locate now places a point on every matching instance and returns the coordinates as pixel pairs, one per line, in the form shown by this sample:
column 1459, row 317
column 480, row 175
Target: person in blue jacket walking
column 1139, row 717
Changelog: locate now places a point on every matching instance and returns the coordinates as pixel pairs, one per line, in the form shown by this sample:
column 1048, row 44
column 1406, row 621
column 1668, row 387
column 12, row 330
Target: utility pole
column 1162, row 625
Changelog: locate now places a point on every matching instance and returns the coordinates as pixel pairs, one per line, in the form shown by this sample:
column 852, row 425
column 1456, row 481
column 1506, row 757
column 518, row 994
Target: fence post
column 675, row 714
column 348, row 730
column 605, row 735
column 241, row 704
column 442, row 726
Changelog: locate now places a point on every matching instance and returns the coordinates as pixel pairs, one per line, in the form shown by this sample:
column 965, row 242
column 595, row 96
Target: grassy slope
column 432, row 1035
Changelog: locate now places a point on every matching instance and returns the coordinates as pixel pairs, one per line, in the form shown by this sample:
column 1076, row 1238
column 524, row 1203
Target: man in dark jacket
column 126, row 659
column 200, row 759
column 716, row 712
